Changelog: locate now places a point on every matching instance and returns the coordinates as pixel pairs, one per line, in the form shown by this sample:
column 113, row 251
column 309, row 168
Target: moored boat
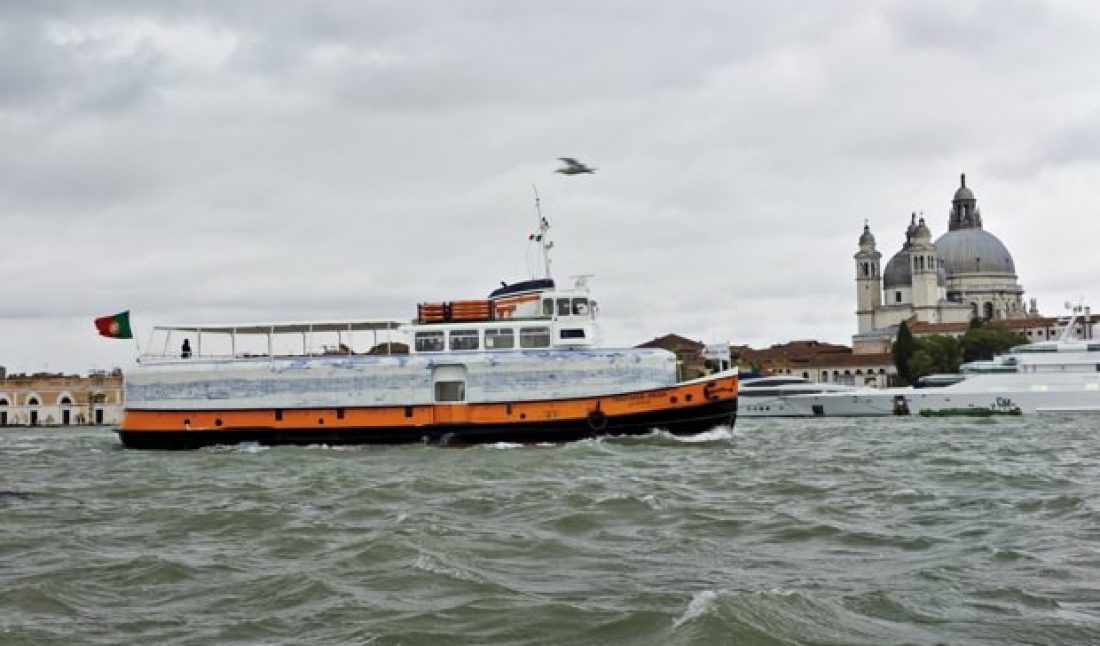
column 767, row 396
column 1057, row 376
column 523, row 365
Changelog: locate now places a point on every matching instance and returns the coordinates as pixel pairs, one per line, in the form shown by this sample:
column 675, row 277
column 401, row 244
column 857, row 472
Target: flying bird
column 573, row 167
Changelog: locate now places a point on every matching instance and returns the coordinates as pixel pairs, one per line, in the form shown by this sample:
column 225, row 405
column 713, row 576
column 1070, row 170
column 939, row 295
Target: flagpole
column 137, row 346
column 137, row 343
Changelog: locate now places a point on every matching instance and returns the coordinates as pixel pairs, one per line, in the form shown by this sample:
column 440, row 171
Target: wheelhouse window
column 429, row 341
column 534, row 337
column 464, row 339
column 563, row 307
column 548, row 307
column 580, row 307
column 500, row 339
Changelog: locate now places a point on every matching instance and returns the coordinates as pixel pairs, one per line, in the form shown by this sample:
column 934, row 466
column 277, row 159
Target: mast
column 1069, row 332
column 542, row 237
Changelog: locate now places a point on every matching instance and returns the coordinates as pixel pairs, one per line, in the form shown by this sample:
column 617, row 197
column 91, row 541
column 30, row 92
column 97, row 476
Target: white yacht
column 767, row 396
column 1059, row 376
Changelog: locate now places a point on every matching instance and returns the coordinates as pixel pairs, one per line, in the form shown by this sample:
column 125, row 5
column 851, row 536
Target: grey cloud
column 208, row 160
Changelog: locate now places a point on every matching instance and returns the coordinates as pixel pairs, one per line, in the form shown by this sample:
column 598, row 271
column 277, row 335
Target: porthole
column 687, row 397
column 218, row 422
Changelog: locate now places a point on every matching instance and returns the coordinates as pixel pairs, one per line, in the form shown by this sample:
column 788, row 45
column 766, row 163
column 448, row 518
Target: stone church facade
column 966, row 273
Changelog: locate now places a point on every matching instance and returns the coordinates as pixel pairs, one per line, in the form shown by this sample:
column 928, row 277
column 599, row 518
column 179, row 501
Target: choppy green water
column 818, row 532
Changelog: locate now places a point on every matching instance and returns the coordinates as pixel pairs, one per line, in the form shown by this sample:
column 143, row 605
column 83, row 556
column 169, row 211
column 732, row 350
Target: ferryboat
column 523, row 365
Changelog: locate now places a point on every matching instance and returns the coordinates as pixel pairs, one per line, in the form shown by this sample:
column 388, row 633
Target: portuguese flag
column 115, row 327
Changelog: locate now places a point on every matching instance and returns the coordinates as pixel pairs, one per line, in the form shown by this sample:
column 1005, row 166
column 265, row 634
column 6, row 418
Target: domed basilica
column 966, row 273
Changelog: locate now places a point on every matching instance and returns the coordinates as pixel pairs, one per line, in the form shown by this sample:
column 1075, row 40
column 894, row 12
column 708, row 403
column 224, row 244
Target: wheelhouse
column 531, row 315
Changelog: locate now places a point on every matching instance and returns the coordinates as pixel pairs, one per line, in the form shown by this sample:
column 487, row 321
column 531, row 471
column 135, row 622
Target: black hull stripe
column 678, row 422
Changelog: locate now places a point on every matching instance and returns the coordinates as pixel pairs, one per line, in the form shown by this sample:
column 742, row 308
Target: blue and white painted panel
column 400, row 380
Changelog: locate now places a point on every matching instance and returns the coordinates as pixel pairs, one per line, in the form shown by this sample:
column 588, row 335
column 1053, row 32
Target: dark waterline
column 817, row 532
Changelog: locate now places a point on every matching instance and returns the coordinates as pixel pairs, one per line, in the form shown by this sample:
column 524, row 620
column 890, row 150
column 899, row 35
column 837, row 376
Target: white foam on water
column 716, row 434
column 244, row 447
column 506, row 445
column 433, row 565
column 23, row 449
column 333, row 447
column 700, row 603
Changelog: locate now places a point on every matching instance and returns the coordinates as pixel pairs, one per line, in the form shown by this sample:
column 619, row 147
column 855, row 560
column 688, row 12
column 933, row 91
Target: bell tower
column 868, row 281
column 925, row 267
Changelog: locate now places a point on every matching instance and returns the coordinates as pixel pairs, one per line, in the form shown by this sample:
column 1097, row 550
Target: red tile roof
column 673, row 342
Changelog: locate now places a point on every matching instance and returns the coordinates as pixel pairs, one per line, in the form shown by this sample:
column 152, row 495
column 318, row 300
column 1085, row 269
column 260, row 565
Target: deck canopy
column 286, row 328
column 250, row 340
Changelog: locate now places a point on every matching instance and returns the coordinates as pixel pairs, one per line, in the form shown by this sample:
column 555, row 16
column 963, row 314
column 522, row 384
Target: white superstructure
column 1059, row 376
column 541, row 343
column 767, row 396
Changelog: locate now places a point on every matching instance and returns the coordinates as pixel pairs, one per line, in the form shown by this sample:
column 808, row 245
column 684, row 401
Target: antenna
column 545, row 244
column 1068, row 332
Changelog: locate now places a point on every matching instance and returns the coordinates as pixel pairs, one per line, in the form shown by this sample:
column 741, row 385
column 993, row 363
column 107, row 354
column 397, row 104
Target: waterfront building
column 818, row 361
column 61, row 400
column 1040, row 328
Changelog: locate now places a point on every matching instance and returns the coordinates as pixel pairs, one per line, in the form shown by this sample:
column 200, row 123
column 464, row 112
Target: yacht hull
column 975, row 394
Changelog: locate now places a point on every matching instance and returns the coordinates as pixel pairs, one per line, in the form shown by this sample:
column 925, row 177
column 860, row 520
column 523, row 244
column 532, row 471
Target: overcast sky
column 250, row 161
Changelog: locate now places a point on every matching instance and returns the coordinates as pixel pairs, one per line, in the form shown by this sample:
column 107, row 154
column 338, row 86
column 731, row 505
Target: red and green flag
column 115, row 327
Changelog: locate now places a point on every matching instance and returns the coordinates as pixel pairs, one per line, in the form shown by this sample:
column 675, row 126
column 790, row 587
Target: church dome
column 963, row 193
column 897, row 272
column 973, row 251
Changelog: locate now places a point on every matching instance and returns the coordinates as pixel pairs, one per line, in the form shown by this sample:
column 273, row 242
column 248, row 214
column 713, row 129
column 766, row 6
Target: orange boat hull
column 687, row 408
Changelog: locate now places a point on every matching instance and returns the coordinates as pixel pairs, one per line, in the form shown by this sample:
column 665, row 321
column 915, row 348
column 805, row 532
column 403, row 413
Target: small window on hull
column 450, row 391
column 571, row 334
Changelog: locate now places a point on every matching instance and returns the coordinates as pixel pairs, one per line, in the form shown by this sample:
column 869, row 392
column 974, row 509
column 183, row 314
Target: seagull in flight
column 573, row 167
